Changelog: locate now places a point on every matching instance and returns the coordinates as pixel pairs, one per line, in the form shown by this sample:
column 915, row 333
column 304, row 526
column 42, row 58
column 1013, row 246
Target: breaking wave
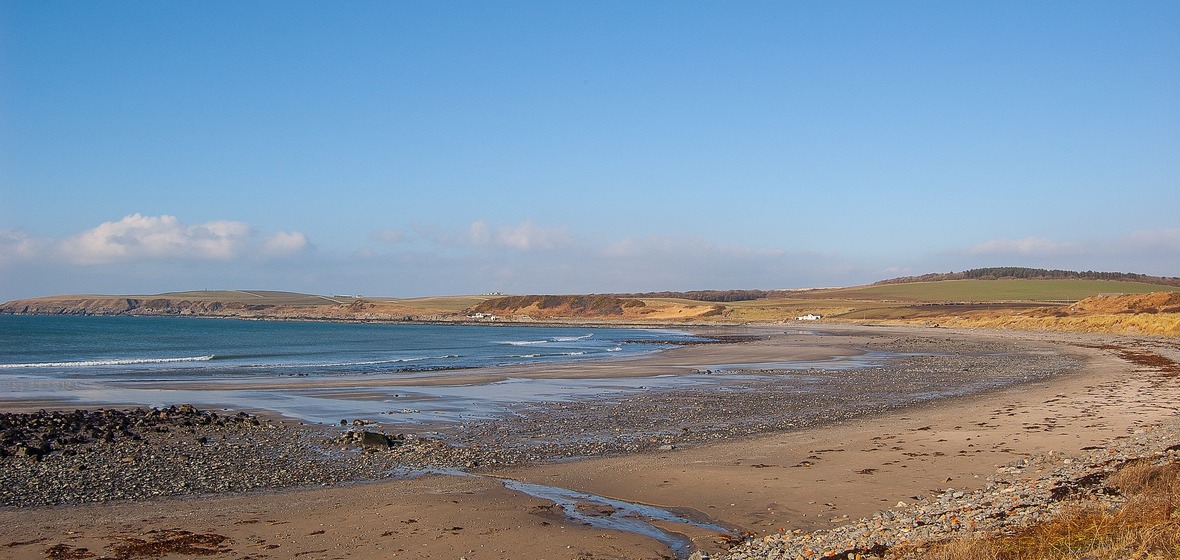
column 375, row 362
column 119, row 362
column 550, row 339
column 571, row 338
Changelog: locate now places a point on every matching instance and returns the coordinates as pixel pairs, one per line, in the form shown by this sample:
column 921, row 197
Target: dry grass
column 1161, row 324
column 959, row 303
column 1145, row 527
column 1011, row 289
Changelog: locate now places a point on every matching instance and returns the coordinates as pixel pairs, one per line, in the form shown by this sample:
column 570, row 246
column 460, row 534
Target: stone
column 30, row 452
column 374, row 439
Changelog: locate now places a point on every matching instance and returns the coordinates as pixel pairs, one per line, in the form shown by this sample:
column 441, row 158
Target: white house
column 809, row 317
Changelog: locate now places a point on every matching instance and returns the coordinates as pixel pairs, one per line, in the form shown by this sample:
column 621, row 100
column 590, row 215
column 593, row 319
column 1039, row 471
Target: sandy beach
column 742, row 454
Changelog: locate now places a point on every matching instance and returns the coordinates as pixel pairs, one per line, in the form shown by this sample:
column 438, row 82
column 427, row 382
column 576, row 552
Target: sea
column 316, row 371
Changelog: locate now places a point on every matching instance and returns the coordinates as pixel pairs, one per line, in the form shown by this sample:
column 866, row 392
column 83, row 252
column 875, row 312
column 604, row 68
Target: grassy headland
column 1079, row 304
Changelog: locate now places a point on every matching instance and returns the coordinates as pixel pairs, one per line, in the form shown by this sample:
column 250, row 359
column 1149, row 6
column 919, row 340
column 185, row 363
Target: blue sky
column 419, row 148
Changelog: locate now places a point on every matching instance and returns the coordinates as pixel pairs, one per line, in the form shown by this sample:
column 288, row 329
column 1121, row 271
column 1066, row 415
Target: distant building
column 809, row 317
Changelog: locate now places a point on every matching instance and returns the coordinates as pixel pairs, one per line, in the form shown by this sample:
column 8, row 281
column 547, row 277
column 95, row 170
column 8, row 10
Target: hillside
column 999, row 290
column 597, row 307
column 242, row 304
column 1008, row 272
column 1118, row 306
column 1154, row 313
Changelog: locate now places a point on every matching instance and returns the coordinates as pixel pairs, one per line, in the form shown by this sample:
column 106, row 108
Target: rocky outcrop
column 125, row 306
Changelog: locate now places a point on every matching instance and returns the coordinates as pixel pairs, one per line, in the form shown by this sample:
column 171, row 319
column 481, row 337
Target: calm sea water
column 158, row 361
column 173, row 348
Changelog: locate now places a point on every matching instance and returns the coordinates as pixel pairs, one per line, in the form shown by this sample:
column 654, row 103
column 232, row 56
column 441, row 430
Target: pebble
column 1007, row 502
column 105, row 455
column 50, row 458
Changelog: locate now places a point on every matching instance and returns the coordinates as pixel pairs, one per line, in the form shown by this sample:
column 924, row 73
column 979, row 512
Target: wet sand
column 753, row 476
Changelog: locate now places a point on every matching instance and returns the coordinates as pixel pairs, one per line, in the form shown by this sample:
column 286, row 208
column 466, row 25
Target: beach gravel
column 1020, row 494
column 105, row 455
column 62, row 457
column 82, row 456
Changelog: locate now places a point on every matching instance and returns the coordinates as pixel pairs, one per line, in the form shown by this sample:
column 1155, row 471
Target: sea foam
column 120, row 362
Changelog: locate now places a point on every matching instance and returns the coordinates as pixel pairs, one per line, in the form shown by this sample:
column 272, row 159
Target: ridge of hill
column 1116, row 306
column 242, row 304
column 597, row 307
column 559, row 306
column 1010, row 272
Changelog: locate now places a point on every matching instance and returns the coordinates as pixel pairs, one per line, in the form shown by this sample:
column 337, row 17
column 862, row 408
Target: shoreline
column 759, row 481
column 224, row 381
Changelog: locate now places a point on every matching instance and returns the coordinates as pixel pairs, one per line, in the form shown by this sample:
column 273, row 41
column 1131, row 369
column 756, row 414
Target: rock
column 374, row 439
column 34, row 453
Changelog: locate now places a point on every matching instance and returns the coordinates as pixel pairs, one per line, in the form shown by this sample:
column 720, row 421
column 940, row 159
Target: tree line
column 1002, row 272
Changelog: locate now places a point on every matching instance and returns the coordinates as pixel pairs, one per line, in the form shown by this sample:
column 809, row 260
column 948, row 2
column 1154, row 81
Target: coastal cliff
column 125, row 306
column 292, row 306
column 218, row 304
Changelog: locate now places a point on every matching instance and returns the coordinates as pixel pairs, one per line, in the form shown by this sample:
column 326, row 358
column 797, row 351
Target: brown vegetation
column 1145, row 526
column 1024, row 304
column 559, row 306
column 1157, row 313
column 709, row 295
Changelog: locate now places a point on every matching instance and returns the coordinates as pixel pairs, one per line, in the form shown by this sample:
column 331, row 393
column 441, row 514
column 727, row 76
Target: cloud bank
column 1162, row 245
column 150, row 254
column 138, row 238
column 1034, row 246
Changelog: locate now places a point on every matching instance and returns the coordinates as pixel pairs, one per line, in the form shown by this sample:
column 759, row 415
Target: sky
column 435, row 148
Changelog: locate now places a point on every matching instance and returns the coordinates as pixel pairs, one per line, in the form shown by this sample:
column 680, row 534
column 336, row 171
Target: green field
column 907, row 301
column 258, row 297
column 994, row 290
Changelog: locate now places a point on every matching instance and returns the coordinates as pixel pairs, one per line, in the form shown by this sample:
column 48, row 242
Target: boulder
column 374, row 439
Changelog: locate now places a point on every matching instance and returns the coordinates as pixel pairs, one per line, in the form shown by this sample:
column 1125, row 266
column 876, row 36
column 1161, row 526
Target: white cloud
column 633, row 247
column 528, row 236
column 285, row 243
column 525, row 236
column 389, row 235
column 1160, row 242
column 15, row 245
column 479, row 233
column 1167, row 240
column 690, row 247
column 1029, row 246
column 153, row 237
column 137, row 238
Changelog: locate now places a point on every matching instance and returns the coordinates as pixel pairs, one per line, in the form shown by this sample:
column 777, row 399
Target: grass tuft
column 1145, row 527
